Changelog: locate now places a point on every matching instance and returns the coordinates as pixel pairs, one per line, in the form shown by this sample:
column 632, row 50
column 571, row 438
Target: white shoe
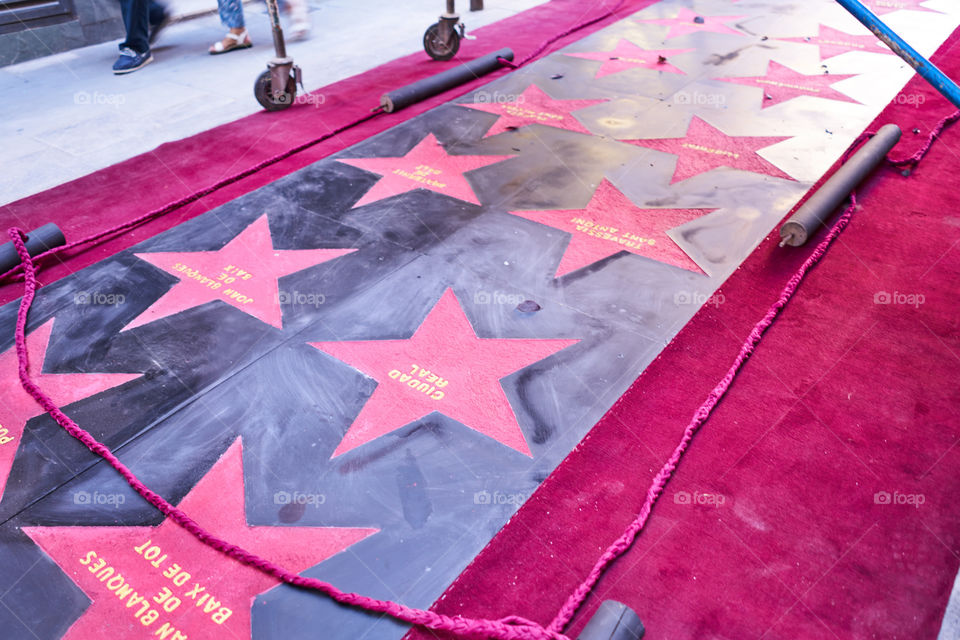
column 299, row 13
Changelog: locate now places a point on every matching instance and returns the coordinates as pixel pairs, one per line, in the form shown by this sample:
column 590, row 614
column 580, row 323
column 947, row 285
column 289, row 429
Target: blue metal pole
column 924, row 67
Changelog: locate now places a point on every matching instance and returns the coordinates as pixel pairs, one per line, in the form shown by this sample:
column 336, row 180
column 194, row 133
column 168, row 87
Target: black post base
column 39, row 240
column 613, row 621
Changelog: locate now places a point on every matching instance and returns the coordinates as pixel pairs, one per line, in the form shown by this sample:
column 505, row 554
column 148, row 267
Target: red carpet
column 775, row 524
column 819, row 501
column 176, row 169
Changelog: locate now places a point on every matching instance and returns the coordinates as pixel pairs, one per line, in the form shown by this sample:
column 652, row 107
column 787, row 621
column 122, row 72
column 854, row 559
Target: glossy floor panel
column 363, row 369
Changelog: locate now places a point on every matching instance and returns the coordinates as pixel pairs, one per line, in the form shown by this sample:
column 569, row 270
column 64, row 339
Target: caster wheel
column 263, row 94
column 436, row 47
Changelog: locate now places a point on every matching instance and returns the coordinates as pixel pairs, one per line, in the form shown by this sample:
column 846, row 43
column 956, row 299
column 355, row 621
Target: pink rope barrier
column 700, row 416
column 507, row 628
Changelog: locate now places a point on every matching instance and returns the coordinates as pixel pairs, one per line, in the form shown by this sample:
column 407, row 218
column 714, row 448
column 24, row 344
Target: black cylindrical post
column 808, row 218
column 429, row 87
column 39, row 240
column 613, row 621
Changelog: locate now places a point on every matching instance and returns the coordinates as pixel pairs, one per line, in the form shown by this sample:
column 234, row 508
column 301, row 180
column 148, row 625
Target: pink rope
column 508, row 628
column 625, row 541
column 922, row 151
column 700, row 416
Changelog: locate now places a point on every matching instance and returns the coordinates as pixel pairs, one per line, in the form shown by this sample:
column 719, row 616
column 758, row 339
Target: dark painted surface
column 436, row 489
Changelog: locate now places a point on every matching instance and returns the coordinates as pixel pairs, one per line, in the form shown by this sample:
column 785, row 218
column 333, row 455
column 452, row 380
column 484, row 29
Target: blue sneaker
column 129, row 61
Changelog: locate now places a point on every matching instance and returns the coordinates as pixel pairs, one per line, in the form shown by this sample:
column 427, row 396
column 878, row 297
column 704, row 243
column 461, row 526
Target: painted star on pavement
column 17, row 406
column 534, row 106
column 161, row 582
column 688, row 21
column 426, row 166
column 443, row 367
column 783, row 83
column 245, row 274
column 882, row 7
column 611, row 223
column 832, row 43
column 627, row 55
column 706, row 148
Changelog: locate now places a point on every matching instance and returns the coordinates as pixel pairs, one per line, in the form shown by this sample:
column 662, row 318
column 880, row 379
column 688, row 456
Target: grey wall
column 92, row 22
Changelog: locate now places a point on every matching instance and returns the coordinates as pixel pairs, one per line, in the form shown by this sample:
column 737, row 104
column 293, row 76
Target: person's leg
column 136, row 19
column 158, row 12
column 301, row 20
column 159, row 19
column 231, row 14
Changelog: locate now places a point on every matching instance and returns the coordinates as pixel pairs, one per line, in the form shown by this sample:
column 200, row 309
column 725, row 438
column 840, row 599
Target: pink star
column 443, row 367
column 627, row 55
column 611, row 223
column 832, row 43
column 882, row 7
column 17, row 406
column 783, row 83
column 534, row 106
column 426, row 166
column 706, row 148
column 161, row 582
column 245, row 274
column 688, row 21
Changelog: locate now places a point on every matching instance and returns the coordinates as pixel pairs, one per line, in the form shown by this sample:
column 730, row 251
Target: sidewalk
column 70, row 116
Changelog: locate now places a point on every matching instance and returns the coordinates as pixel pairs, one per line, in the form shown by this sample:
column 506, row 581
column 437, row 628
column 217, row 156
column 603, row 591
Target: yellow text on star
column 605, row 232
column 422, row 173
column 229, row 275
column 145, row 608
column 718, row 152
column 5, row 436
column 531, row 114
column 842, row 44
column 184, row 589
column 421, row 380
column 787, row 85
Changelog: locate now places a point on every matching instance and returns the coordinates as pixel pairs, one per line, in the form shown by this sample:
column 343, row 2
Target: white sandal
column 240, row 41
column 301, row 30
column 299, row 14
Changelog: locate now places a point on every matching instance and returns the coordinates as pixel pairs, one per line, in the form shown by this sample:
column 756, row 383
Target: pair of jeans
column 231, row 13
column 138, row 16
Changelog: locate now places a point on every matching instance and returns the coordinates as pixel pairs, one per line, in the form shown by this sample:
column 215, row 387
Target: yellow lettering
column 149, row 617
column 123, row 591
column 212, row 605
column 221, row 616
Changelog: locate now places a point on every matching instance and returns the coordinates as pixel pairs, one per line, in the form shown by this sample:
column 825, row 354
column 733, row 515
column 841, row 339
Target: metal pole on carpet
column 938, row 79
column 825, row 200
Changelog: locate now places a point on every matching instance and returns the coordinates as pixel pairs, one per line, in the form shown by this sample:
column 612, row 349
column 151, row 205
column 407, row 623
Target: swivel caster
column 440, row 45
column 268, row 99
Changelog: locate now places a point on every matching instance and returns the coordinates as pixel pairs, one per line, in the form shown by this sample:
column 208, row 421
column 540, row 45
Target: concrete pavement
column 68, row 115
